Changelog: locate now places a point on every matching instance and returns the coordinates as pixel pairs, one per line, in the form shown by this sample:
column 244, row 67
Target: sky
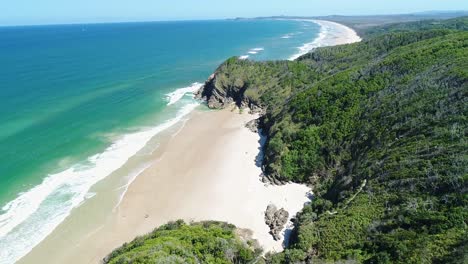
column 27, row 12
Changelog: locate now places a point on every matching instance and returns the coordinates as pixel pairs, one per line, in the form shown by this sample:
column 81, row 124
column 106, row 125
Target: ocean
column 77, row 101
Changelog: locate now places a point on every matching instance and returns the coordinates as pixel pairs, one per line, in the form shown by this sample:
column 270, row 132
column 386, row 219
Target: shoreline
column 331, row 34
column 204, row 172
column 331, row 37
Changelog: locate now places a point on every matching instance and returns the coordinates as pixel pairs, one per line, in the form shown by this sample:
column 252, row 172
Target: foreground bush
column 178, row 242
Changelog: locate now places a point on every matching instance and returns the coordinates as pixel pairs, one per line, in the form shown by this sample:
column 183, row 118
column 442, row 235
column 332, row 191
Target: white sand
column 331, row 34
column 337, row 34
column 207, row 171
column 220, row 165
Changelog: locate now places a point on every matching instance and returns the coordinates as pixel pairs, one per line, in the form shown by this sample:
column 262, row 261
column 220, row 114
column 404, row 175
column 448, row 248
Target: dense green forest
column 378, row 129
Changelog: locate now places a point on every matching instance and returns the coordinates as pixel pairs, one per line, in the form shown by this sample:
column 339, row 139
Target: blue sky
column 20, row 12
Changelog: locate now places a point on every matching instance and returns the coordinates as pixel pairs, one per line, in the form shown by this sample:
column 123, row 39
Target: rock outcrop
column 276, row 219
column 253, row 125
column 267, row 179
column 219, row 92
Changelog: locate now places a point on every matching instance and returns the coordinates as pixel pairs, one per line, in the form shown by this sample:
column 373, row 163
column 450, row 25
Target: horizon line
column 421, row 13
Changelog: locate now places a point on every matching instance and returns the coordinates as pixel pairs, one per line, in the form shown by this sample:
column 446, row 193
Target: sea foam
column 307, row 47
column 251, row 52
column 33, row 215
column 179, row 93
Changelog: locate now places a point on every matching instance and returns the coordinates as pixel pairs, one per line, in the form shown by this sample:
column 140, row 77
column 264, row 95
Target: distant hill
column 361, row 23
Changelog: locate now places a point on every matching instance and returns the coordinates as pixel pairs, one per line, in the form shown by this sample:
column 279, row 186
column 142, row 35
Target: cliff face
column 216, row 97
column 222, row 90
column 219, row 94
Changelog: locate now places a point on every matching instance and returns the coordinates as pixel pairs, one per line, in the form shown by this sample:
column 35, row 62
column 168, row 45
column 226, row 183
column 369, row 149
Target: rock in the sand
column 254, row 109
column 277, row 182
column 264, row 178
column 270, row 213
column 106, row 259
column 271, row 179
column 276, row 219
column 253, row 125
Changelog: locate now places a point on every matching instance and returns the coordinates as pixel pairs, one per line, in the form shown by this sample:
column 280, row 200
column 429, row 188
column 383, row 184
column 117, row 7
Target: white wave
column 307, row 47
column 33, row 215
column 290, row 35
column 252, row 52
column 179, row 93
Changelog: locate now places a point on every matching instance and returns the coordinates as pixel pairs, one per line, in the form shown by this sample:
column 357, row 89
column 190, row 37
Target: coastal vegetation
column 178, row 242
column 377, row 128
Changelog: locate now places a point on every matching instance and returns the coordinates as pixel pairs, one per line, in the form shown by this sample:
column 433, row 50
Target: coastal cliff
column 221, row 91
column 378, row 129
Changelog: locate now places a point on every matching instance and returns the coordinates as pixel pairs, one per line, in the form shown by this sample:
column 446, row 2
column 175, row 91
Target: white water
column 291, row 35
column 179, row 93
column 34, row 214
column 307, row 47
column 251, row 52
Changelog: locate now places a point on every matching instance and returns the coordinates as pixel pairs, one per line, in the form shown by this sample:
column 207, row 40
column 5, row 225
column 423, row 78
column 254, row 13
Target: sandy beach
column 337, row 34
column 206, row 171
column 209, row 171
column 331, row 34
column 204, row 168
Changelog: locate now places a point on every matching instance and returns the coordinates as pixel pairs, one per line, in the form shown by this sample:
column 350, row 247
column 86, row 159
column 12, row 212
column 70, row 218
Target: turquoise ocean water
column 76, row 101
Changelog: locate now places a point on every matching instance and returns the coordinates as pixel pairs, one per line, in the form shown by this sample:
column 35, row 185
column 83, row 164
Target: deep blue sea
column 77, row 101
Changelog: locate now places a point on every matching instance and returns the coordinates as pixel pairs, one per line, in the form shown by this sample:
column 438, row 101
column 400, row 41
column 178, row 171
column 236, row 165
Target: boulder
column 253, row 125
column 276, row 219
